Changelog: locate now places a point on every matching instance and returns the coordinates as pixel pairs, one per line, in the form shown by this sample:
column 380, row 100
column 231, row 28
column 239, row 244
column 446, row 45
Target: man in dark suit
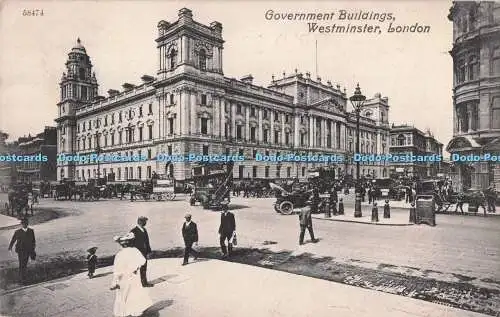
column 24, row 239
column 305, row 220
column 190, row 235
column 141, row 242
column 227, row 229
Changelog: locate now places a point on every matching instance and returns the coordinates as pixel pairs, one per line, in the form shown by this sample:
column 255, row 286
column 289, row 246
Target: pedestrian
column 190, row 236
column 305, row 220
column 387, row 209
column 460, row 202
column 375, row 212
column 481, row 200
column 227, row 229
column 24, row 239
column 131, row 298
column 91, row 261
column 341, row 206
column 333, row 201
column 141, row 242
column 370, row 195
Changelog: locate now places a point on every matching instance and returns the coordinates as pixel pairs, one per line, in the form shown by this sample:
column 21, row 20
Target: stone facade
column 476, row 92
column 191, row 107
column 406, row 139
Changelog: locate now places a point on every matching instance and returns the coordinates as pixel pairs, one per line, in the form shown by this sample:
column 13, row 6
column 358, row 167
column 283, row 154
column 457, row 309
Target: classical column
column 333, row 134
column 282, row 129
column 470, row 117
column 296, row 131
column 324, row 135
column 233, row 119
column 310, row 132
column 271, row 114
column 183, row 98
column 184, row 49
column 216, row 115
column 260, row 132
column 247, row 123
column 342, row 135
column 193, row 114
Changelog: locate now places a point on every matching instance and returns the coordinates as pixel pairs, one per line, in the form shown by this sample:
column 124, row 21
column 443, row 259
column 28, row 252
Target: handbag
column 234, row 239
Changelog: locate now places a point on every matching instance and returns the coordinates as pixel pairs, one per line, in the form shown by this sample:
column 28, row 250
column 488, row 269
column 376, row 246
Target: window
column 149, row 154
column 287, row 138
column 226, row 130
column 276, row 116
column 254, row 153
column 105, row 140
column 239, row 109
column 266, row 172
column 172, row 99
column 140, row 133
column 303, row 171
column 241, row 170
column 287, row 118
column 202, row 60
column 240, row 152
column 252, row 134
column 113, row 118
column 461, row 71
column 150, row 132
column 264, row 114
column 228, row 152
column 302, row 139
column 239, row 132
column 301, row 119
column 170, row 126
column 276, row 137
column 204, row 126
column 172, row 58
column 120, row 117
column 150, row 110
column 254, row 171
column 496, row 62
column 205, row 150
column 401, row 140
column 140, row 111
column 169, row 150
column 252, row 112
column 148, row 171
column 473, row 68
column 495, row 114
column 288, row 172
column 139, row 172
column 278, row 171
column 203, row 100
column 226, row 107
column 131, row 172
column 265, row 135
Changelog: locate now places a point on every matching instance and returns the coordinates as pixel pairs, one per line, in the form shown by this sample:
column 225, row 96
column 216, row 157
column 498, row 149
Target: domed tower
column 78, row 87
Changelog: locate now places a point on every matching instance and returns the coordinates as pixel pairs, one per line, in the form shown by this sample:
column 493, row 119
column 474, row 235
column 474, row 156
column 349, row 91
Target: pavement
column 396, row 219
column 218, row 288
column 7, row 222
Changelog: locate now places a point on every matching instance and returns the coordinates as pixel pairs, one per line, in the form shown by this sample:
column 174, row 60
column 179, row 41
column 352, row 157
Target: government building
column 189, row 106
column 409, row 140
column 476, row 91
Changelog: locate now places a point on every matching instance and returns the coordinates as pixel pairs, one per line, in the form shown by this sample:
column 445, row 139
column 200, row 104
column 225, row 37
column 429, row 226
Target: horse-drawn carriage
column 154, row 189
column 20, row 198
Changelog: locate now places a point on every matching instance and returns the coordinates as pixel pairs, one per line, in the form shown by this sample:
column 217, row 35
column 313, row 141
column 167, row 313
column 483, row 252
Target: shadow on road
column 154, row 310
column 386, row 277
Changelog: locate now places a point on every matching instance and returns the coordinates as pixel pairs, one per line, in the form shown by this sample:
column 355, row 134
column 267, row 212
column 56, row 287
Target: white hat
column 126, row 237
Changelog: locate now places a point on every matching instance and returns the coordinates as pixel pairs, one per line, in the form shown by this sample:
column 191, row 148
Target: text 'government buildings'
column 476, row 92
column 191, row 107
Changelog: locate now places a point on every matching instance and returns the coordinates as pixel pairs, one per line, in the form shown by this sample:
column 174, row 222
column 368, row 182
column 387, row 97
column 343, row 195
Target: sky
column 413, row 70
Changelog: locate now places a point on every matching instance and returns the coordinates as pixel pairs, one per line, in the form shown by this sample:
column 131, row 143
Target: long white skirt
column 131, row 298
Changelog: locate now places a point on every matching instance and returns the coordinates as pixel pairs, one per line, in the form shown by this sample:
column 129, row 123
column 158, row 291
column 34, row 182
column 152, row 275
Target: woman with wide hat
column 131, row 298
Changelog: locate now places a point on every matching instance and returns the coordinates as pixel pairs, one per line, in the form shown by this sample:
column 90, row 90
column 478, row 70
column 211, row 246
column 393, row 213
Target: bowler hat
column 187, row 216
column 92, row 250
column 142, row 218
column 24, row 220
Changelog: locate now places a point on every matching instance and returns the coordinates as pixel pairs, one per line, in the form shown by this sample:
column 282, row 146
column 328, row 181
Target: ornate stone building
column 406, row 139
column 191, row 107
column 476, row 92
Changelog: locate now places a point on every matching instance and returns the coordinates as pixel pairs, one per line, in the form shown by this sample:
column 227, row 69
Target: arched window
column 401, row 140
column 495, row 65
column 202, row 59
column 172, row 58
column 473, row 68
column 495, row 114
column 460, row 71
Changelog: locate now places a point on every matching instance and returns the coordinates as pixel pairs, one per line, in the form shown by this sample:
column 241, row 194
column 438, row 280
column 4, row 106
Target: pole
column 357, row 191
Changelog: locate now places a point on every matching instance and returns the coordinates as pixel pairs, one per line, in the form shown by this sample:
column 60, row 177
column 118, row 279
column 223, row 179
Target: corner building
column 190, row 107
column 476, row 91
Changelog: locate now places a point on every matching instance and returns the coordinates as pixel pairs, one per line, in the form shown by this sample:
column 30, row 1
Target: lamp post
column 357, row 100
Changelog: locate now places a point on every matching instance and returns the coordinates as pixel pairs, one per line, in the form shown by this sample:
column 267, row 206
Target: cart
column 164, row 189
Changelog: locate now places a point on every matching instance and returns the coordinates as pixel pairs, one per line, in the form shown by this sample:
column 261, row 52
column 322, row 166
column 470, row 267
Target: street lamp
column 357, row 100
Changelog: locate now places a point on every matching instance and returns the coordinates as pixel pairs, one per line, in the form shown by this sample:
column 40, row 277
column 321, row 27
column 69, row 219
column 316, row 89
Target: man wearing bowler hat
column 24, row 239
column 190, row 236
column 227, row 230
column 141, row 242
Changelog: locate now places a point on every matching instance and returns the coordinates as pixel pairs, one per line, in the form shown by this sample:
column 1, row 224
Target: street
column 459, row 249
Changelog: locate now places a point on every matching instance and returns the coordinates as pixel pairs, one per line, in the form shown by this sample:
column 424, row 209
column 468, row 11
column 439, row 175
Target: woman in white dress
column 131, row 298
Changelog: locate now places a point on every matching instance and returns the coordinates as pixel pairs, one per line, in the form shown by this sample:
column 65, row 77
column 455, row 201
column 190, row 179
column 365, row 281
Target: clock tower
column 78, row 87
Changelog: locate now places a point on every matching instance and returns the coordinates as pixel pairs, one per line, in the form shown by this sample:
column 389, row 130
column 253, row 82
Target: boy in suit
column 91, row 261
column 24, row 239
column 190, row 236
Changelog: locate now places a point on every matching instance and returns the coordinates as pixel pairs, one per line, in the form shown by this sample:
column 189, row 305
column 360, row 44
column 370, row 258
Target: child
column 91, row 261
column 341, row 206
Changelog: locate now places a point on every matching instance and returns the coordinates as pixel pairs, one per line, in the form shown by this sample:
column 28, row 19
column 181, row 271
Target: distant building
column 476, row 91
column 43, row 144
column 6, row 168
column 406, row 139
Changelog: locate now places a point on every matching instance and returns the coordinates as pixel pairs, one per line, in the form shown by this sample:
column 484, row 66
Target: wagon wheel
column 286, row 208
column 169, row 196
column 276, row 207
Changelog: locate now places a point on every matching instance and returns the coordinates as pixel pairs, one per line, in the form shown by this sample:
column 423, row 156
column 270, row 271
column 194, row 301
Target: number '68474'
column 32, row 12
